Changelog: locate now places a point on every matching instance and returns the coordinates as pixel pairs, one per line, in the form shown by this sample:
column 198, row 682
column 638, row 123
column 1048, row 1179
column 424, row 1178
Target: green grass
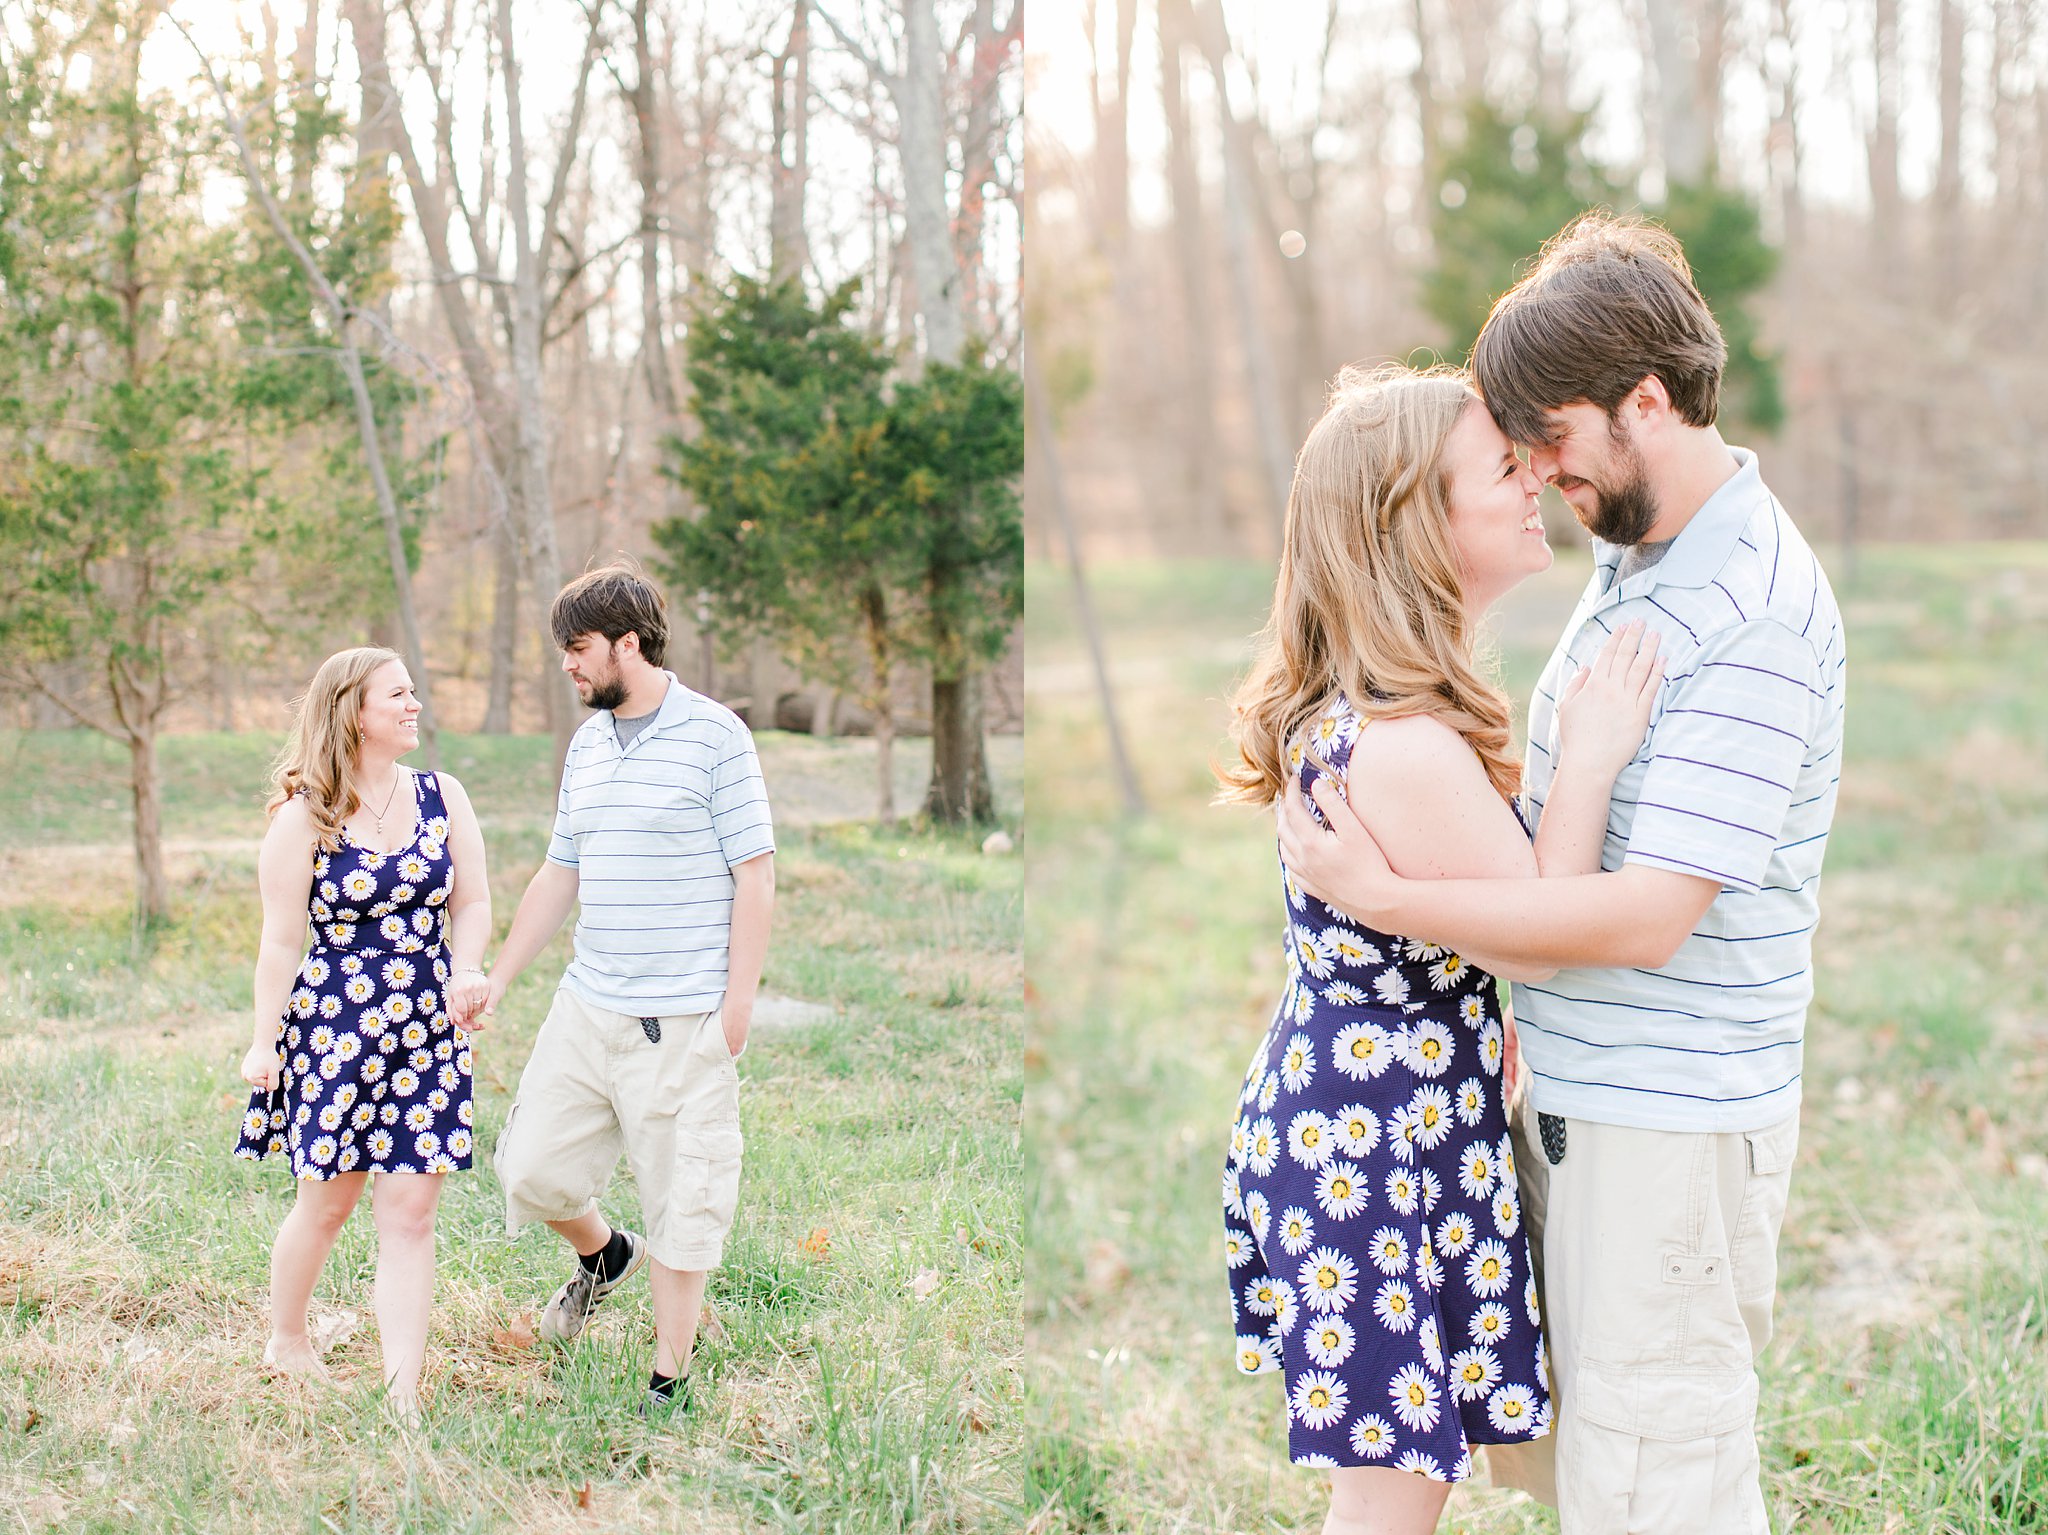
column 1907, row 1389
column 873, row 1389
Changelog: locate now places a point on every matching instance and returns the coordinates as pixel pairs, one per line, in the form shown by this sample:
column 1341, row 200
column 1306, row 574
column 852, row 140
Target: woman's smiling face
column 1494, row 522
column 390, row 711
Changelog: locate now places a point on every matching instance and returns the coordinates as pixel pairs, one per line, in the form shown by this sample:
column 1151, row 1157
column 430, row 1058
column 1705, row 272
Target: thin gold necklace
column 378, row 815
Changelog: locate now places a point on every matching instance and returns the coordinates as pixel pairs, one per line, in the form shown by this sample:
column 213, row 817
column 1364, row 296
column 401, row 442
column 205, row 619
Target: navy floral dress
column 376, row 1078
column 1372, row 1227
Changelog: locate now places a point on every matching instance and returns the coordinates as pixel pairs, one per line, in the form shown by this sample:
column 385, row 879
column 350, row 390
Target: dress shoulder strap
column 428, row 787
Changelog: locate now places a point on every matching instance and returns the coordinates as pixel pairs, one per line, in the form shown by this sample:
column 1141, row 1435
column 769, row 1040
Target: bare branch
column 848, row 42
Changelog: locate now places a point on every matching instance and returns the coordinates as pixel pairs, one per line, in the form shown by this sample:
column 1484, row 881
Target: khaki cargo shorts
column 1656, row 1253
column 596, row 1086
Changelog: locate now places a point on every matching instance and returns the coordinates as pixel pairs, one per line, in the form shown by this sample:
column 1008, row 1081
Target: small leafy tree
column 161, row 458
column 1508, row 186
column 853, row 522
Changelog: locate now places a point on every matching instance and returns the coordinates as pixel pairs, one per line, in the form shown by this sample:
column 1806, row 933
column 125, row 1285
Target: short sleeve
column 562, row 846
column 739, row 802
column 1726, row 753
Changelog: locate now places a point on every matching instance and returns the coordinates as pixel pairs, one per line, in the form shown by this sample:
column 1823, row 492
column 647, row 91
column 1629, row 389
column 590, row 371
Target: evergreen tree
column 830, row 495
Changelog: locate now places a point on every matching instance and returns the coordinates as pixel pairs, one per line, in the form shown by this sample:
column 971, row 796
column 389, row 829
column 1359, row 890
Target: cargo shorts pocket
column 702, row 1196
column 1650, row 1448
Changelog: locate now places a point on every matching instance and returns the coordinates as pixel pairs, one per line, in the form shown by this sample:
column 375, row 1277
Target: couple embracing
column 361, row 1060
column 1579, row 1274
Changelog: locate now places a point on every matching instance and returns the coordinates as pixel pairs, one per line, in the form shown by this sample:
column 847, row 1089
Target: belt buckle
column 651, row 1027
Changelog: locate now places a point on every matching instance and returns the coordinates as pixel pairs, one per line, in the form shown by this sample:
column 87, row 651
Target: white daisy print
column 1237, row 1252
column 1309, row 1140
column 1404, row 1190
column 1304, row 1005
column 418, row 1117
column 1447, row 972
column 426, row 1143
column 1487, row 1270
column 1297, row 1231
column 1427, row 1269
column 1258, row 1213
column 1504, row 1159
column 1414, row 950
column 1328, row 1279
column 330, row 1006
column 1340, row 1190
column 1312, row 1458
column 1313, row 955
column 254, row 1123
column 1415, row 1397
column 321, row 1040
column 1475, row 1170
column 302, row 1003
column 1507, row 1213
column 1329, row 1341
column 1489, row 1049
column 1356, row 1129
column 1261, row 1152
column 1295, row 897
column 412, row 868
column 1390, row 1250
column 1420, row 1465
column 1257, row 1356
column 399, row 973
column 1511, row 1408
column 1391, row 987
column 414, row 1034
column 1473, row 1010
column 1394, row 1305
column 1372, row 1437
column 458, row 1143
column 330, row 1117
column 1529, row 1299
column 1349, row 948
column 1286, row 1309
column 1432, row 1346
column 1432, row 1116
column 322, row 1150
column 1401, row 1132
column 1298, row 1064
column 1474, row 1372
column 1319, row 1399
column 1430, row 1048
column 1262, row 1296
column 351, row 964
column 1343, row 994
column 1269, row 1090
column 1362, row 1050
column 359, row 988
column 1432, row 1190
column 1240, row 1141
column 1470, row 1101
column 1454, row 1234
column 1233, row 1183
column 358, row 885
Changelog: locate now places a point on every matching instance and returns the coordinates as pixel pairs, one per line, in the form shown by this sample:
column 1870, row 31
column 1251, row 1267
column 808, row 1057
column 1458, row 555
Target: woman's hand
column 468, row 990
column 262, row 1066
column 1338, row 862
column 1605, row 708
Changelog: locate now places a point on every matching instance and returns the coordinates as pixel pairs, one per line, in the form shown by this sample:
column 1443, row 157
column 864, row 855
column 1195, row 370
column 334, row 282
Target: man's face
column 1599, row 471
column 592, row 663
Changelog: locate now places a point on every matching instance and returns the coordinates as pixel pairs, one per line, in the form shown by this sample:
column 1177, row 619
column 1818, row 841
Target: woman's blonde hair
column 1368, row 599
column 322, row 756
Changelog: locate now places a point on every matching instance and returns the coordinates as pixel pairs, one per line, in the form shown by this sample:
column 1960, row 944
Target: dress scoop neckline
column 419, row 822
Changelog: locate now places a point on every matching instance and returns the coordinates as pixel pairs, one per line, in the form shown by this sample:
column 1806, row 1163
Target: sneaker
column 654, row 1406
column 570, row 1310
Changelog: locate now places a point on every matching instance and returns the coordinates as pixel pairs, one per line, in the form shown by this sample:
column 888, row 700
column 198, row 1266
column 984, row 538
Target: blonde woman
column 359, row 1064
column 1373, row 1227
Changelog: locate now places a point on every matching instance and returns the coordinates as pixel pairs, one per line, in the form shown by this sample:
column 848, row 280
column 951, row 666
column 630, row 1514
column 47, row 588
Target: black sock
column 663, row 1386
column 609, row 1261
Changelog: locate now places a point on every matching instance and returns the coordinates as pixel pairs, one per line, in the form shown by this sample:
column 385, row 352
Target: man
column 1664, row 1058
column 662, row 833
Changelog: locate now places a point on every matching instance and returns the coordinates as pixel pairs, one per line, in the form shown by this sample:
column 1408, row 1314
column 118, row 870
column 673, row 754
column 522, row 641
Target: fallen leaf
column 972, row 1420
column 710, row 1325
column 516, row 1337
column 818, row 1245
column 584, row 1498
column 923, row 1285
column 32, row 1421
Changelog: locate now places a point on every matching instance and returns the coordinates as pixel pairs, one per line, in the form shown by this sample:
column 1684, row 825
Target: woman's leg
column 296, row 1258
column 404, row 1207
column 1378, row 1500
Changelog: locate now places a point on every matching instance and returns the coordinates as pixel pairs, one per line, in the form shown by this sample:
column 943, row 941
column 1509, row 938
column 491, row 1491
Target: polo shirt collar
column 1703, row 546
column 673, row 709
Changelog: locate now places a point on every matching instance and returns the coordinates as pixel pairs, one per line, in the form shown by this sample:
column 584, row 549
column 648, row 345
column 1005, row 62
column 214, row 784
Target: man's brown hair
column 614, row 601
column 1609, row 302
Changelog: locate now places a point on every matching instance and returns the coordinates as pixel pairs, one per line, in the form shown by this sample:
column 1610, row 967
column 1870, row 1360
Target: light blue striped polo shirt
column 653, row 832
column 1735, row 782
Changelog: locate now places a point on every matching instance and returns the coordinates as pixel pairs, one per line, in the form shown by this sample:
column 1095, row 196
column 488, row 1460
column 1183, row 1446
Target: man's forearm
column 753, row 903
column 1568, row 922
column 549, row 896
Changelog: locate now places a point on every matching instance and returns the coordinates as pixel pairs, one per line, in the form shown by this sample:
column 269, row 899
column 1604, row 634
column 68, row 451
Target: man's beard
column 1624, row 514
column 606, row 695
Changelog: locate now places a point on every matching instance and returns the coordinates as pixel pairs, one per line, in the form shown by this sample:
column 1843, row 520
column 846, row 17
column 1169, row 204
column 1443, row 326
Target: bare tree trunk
column 881, row 700
column 790, row 115
column 1948, row 179
column 504, row 629
column 1884, row 141
column 152, row 884
column 1683, row 134
column 993, row 44
column 1201, row 478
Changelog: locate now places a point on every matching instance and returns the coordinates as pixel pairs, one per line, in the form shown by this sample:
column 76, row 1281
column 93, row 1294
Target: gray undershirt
column 628, row 729
column 1641, row 557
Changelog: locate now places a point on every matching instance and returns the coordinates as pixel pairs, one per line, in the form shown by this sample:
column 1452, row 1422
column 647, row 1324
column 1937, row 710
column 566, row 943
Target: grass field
column 1907, row 1389
column 862, row 1356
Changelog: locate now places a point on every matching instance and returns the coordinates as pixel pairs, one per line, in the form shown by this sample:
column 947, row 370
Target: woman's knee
column 327, row 1205
column 405, row 1205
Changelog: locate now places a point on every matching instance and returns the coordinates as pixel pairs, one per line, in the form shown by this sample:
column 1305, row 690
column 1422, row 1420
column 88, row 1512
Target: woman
column 359, row 1062
column 1373, row 1229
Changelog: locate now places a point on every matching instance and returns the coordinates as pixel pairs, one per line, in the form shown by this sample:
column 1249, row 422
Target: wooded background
column 325, row 322
column 1230, row 201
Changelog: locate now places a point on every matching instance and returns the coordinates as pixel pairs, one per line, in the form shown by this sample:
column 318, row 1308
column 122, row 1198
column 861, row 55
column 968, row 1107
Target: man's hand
column 737, row 1023
column 465, row 996
column 487, row 1006
column 1337, row 862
